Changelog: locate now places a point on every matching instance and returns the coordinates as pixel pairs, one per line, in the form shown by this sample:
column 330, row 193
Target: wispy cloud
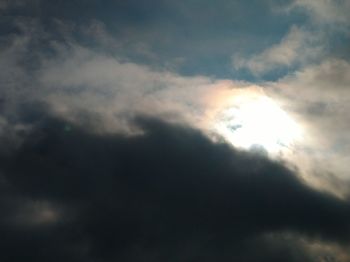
column 325, row 11
column 297, row 47
column 302, row 45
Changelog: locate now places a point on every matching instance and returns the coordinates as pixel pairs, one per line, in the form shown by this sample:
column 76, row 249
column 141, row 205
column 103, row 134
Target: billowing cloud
column 169, row 194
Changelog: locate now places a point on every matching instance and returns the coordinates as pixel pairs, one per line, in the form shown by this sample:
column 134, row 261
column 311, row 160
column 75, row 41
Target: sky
column 174, row 130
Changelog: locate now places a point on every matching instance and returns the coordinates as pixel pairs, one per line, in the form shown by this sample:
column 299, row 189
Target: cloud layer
column 107, row 129
column 169, row 194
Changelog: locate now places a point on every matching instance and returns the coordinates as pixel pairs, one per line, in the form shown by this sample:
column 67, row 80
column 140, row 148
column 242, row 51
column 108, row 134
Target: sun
column 257, row 121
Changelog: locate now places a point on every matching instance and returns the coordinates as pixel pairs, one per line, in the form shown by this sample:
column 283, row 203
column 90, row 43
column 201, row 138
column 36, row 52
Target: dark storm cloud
column 168, row 195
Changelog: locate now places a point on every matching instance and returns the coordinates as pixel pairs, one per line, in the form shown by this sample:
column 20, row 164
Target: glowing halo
column 257, row 120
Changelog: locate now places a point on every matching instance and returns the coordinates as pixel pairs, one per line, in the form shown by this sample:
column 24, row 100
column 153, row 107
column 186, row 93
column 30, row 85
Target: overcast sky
column 168, row 130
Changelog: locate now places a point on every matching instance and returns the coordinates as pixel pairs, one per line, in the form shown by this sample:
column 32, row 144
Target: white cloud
column 319, row 97
column 80, row 80
column 326, row 11
column 297, row 46
column 301, row 46
column 84, row 85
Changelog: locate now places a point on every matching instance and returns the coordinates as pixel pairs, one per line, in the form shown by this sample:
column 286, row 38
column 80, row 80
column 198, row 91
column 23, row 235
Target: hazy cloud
column 7, row 4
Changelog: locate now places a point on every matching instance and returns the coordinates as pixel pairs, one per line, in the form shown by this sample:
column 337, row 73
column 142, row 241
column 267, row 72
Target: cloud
column 322, row 109
column 168, row 194
column 114, row 89
column 78, row 79
column 8, row 4
column 138, row 33
column 302, row 45
column 102, row 92
column 81, row 181
column 326, row 11
column 295, row 48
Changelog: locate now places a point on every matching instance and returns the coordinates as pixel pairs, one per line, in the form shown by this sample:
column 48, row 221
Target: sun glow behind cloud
column 255, row 120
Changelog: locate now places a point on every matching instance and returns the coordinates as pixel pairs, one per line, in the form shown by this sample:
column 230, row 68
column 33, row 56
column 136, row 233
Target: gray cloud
column 170, row 193
column 8, row 4
column 77, row 187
